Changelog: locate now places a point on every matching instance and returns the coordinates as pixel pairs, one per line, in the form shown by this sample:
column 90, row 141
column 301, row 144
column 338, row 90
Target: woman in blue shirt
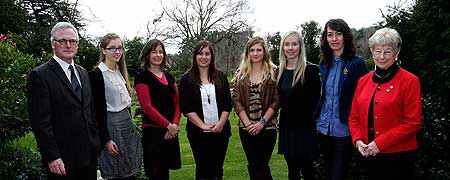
column 340, row 70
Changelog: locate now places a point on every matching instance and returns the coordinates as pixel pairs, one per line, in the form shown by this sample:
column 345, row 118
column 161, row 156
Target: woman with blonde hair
column 255, row 100
column 121, row 156
column 299, row 90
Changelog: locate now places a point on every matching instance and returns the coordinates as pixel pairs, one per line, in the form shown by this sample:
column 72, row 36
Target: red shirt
column 397, row 112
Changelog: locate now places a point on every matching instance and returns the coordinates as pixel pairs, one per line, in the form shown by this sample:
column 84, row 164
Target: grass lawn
column 235, row 166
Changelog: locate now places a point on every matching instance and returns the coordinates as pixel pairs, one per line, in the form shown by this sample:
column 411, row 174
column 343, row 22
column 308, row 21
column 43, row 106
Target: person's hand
column 372, row 149
column 217, row 128
column 362, row 148
column 57, row 167
column 168, row 136
column 255, row 128
column 206, row 127
column 112, row 148
column 173, row 129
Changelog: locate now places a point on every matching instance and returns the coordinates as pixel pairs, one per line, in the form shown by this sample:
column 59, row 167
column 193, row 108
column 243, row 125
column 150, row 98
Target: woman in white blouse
column 121, row 154
column 206, row 102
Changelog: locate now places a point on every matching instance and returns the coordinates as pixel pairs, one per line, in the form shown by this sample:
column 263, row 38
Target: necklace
column 208, row 93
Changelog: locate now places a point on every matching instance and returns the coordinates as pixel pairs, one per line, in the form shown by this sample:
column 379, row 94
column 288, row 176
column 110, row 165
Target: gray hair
column 386, row 36
column 62, row 25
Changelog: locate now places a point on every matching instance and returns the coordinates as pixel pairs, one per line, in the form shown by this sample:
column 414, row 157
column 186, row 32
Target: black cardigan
column 190, row 100
column 98, row 94
column 298, row 109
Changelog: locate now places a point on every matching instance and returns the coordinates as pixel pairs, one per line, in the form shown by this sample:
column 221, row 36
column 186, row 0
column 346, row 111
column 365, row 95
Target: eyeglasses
column 114, row 49
column 384, row 52
column 65, row 41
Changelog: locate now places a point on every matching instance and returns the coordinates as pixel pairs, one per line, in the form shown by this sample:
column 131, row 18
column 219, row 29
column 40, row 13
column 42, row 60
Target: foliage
column 425, row 31
column 311, row 34
column 14, row 66
column 20, row 159
column 133, row 49
column 13, row 17
column 88, row 54
column 273, row 43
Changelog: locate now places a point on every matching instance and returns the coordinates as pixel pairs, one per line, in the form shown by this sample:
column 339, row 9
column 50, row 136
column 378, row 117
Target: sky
column 129, row 18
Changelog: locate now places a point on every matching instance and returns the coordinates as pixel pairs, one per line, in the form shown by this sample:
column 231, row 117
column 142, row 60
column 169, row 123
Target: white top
column 116, row 93
column 209, row 104
column 65, row 67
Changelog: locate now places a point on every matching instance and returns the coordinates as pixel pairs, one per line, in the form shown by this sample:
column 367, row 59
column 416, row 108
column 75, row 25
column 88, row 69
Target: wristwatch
column 263, row 120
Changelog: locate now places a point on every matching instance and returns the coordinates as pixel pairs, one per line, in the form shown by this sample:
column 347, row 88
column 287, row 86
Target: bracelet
column 263, row 121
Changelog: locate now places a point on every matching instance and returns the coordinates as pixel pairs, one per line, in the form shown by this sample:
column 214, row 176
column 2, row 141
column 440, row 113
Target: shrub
column 20, row 159
column 14, row 66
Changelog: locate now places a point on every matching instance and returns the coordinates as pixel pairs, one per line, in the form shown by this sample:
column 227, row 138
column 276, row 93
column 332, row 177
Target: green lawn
column 235, row 166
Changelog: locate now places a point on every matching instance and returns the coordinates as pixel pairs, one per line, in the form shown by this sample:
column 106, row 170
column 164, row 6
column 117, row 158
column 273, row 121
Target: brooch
column 390, row 88
column 345, row 71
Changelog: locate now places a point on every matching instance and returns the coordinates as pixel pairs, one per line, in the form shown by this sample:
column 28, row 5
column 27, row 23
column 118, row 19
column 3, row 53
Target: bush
column 14, row 66
column 20, row 159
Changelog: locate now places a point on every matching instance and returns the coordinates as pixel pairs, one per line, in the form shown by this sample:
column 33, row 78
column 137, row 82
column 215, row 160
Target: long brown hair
column 246, row 66
column 122, row 63
column 326, row 53
column 212, row 70
column 145, row 51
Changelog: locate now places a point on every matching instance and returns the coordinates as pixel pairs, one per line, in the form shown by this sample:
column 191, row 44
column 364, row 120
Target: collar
column 102, row 66
column 62, row 63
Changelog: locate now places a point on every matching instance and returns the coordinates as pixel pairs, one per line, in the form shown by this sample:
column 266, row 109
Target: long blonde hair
column 299, row 71
column 246, row 67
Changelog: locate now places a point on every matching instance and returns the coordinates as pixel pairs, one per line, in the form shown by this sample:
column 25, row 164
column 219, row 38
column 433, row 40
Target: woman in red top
column 158, row 96
column 386, row 112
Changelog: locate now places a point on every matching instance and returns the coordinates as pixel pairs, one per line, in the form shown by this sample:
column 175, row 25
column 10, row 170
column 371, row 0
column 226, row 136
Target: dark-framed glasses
column 114, row 49
column 65, row 41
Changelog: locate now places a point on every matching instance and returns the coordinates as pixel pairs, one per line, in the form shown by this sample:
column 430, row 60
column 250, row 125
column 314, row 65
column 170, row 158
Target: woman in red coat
column 386, row 112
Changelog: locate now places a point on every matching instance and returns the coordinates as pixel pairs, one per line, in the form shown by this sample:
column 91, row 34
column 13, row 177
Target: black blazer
column 98, row 94
column 191, row 101
column 63, row 124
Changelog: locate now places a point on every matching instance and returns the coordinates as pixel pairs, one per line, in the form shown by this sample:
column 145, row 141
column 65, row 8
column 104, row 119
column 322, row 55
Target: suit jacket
column 397, row 112
column 63, row 124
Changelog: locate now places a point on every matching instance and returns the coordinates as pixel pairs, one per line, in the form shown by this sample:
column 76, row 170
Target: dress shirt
column 329, row 122
column 65, row 67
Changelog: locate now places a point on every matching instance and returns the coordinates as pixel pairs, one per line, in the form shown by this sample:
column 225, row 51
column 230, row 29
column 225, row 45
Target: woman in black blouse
column 299, row 90
column 206, row 102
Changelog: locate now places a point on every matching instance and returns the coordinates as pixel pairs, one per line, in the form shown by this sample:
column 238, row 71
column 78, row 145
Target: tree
column 273, row 43
column 13, row 17
column 311, row 34
column 133, row 49
column 425, row 51
column 188, row 21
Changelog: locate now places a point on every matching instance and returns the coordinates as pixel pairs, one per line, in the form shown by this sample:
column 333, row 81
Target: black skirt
column 157, row 149
column 298, row 144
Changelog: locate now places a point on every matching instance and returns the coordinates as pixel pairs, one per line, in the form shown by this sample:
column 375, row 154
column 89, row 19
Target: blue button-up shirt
column 328, row 122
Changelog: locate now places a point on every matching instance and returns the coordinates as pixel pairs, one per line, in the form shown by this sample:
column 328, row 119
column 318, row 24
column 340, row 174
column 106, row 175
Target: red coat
column 397, row 112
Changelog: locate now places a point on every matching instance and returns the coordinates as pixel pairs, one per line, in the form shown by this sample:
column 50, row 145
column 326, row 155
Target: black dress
column 297, row 127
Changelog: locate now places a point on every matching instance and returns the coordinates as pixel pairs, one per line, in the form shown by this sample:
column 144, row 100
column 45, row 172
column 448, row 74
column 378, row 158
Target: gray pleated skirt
column 128, row 139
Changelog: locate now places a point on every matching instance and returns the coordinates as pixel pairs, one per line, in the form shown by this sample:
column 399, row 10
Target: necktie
column 73, row 80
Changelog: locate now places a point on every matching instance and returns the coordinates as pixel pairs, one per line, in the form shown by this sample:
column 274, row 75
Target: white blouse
column 209, row 104
column 116, row 93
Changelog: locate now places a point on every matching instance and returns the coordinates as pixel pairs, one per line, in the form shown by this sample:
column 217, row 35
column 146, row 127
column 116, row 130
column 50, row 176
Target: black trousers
column 258, row 150
column 393, row 166
column 296, row 167
column 336, row 152
column 209, row 150
column 88, row 172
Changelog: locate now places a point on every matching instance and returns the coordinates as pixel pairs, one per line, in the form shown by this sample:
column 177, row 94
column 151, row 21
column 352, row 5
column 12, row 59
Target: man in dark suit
column 61, row 111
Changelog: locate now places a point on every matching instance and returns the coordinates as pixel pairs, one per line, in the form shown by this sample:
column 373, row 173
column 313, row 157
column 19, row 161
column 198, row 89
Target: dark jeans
column 336, row 152
column 295, row 166
column 258, row 150
column 209, row 152
column 89, row 173
column 392, row 166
